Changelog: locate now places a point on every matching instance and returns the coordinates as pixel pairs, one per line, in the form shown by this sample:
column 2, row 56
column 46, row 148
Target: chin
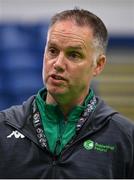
column 56, row 90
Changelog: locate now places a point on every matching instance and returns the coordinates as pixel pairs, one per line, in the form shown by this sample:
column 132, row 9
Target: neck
column 65, row 103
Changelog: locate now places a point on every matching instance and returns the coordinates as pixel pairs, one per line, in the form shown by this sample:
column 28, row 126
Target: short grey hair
column 84, row 17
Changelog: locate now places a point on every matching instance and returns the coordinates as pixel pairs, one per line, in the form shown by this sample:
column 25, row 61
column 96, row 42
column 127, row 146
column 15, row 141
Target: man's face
column 68, row 60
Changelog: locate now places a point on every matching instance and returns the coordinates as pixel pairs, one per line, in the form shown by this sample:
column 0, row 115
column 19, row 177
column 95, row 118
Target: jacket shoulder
column 123, row 124
column 17, row 113
column 2, row 117
column 105, row 113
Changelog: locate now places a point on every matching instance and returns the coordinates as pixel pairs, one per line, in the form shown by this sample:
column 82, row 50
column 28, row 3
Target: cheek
column 46, row 66
column 84, row 76
column 78, row 76
column 84, row 71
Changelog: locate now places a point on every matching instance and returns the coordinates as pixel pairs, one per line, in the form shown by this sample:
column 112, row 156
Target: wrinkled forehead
column 71, row 27
column 67, row 31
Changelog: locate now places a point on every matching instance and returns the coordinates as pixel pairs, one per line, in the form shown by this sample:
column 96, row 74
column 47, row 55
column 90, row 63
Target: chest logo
column 16, row 134
column 91, row 145
column 88, row 144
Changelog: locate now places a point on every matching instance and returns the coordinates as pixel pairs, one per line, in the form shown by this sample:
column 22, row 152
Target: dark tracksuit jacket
column 104, row 147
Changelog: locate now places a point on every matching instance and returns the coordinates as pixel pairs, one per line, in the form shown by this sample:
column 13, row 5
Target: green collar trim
column 53, row 112
column 55, row 127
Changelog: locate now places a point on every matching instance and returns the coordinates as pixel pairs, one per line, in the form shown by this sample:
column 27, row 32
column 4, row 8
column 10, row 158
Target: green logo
column 88, row 144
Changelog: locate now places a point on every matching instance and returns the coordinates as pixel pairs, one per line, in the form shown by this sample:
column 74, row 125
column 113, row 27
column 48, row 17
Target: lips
column 57, row 77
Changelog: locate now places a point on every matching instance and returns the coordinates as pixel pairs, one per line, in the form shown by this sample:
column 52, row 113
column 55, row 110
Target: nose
column 59, row 64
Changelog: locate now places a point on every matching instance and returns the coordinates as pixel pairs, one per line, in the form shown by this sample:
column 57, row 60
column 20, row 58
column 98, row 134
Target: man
column 65, row 131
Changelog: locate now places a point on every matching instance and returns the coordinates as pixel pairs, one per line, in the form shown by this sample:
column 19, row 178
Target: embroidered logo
column 16, row 134
column 89, row 145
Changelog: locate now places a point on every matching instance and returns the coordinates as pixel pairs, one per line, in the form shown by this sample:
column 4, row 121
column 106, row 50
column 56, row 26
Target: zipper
column 55, row 154
column 58, row 143
column 75, row 140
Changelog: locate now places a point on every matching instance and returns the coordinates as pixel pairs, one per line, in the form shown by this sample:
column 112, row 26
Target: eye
column 52, row 52
column 74, row 55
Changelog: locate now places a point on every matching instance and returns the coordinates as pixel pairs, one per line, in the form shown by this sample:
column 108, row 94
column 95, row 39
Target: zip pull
column 57, row 147
column 56, row 152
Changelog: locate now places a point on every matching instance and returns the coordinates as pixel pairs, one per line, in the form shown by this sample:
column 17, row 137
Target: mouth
column 57, row 77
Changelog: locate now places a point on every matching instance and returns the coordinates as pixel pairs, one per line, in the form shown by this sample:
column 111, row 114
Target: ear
column 101, row 61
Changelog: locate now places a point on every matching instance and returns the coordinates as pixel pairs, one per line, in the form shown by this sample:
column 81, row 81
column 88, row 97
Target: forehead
column 67, row 32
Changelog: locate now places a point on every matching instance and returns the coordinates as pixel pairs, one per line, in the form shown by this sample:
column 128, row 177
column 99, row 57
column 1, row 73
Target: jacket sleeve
column 2, row 117
column 132, row 165
column 126, row 128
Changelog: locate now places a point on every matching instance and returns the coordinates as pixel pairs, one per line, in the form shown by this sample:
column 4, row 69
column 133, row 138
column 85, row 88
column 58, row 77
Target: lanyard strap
column 86, row 114
column 39, row 127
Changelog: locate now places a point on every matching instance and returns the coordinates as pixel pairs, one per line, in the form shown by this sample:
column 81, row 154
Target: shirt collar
column 53, row 112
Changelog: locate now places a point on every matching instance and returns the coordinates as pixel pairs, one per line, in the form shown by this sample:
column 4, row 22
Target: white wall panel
column 118, row 15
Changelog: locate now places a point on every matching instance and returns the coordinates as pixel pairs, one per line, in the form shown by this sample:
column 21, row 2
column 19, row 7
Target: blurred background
column 23, row 27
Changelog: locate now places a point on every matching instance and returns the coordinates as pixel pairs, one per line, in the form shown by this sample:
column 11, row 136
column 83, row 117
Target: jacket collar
column 102, row 113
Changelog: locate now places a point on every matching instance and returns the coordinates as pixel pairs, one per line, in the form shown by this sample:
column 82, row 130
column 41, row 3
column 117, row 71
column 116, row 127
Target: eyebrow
column 77, row 47
column 69, row 47
column 51, row 43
